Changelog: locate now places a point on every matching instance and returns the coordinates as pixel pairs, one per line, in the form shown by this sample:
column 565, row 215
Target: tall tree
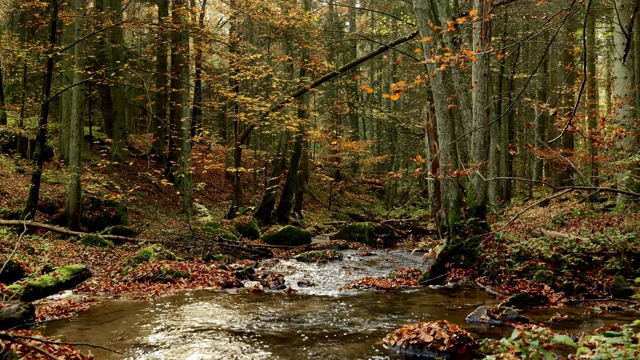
column 477, row 198
column 624, row 92
column 427, row 15
column 179, row 114
column 76, row 131
column 31, row 206
column 3, row 107
column 159, row 146
column 117, row 90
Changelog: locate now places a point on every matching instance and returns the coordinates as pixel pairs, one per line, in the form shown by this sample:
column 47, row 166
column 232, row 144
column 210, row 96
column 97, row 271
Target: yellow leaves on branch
column 366, row 88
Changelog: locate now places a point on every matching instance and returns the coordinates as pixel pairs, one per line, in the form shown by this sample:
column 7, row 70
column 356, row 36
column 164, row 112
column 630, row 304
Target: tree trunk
column 624, row 92
column 196, row 113
column 3, row 108
column 117, row 90
column 67, row 73
column 159, row 147
column 592, row 99
column 285, row 205
column 29, row 211
column 180, row 135
column 263, row 214
column 76, row 131
column 451, row 194
column 477, row 197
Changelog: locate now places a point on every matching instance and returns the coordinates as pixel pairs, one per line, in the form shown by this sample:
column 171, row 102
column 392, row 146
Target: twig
column 15, row 248
column 530, row 207
column 65, row 343
column 4, row 335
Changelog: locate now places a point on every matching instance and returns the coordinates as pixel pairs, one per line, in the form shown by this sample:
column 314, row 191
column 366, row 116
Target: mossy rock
column 620, row 288
column 526, row 300
column 99, row 214
column 222, row 233
column 319, row 256
column 12, row 271
column 96, row 241
column 48, row 284
column 150, row 253
column 121, row 230
column 247, row 226
column 368, row 233
column 289, row 236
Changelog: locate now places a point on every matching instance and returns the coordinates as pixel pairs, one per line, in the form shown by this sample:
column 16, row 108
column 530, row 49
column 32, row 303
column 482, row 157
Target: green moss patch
column 288, row 236
column 247, row 226
column 319, row 256
column 96, row 241
column 150, row 253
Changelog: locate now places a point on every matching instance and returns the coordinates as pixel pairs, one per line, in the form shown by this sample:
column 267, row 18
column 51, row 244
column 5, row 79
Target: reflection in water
column 324, row 325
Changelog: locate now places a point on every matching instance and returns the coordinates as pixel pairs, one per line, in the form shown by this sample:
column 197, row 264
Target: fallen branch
column 65, row 231
column 555, row 234
column 572, row 301
column 9, row 337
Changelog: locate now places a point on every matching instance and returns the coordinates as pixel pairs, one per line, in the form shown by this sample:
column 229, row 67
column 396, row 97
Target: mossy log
column 16, row 314
column 60, row 279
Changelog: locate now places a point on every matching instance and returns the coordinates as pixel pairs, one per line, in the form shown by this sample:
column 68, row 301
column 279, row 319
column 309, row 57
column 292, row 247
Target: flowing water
column 319, row 322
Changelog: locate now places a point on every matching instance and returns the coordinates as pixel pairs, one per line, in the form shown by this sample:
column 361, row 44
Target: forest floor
column 575, row 270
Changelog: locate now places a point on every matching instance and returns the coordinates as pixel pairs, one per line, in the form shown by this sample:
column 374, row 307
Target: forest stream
column 319, row 322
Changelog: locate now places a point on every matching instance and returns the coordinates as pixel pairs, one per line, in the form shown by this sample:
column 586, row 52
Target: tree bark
column 3, row 107
column 180, row 119
column 477, row 197
column 159, row 147
column 624, row 91
column 448, row 156
column 76, row 131
column 118, row 149
column 29, row 211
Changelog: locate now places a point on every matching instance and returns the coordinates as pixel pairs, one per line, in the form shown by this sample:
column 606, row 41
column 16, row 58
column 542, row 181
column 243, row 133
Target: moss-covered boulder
column 432, row 340
column 368, row 233
column 96, row 241
column 61, row 278
column 319, row 256
column 495, row 315
column 526, row 300
column 620, row 288
column 289, row 236
column 12, row 272
column 150, row 253
column 99, row 214
column 247, row 226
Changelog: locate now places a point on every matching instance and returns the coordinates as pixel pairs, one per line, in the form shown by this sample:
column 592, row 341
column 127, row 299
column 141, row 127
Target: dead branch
column 64, row 231
column 556, row 234
column 9, row 337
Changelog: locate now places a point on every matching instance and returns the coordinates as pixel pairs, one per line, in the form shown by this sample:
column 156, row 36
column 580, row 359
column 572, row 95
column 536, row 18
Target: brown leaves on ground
column 440, row 336
column 398, row 279
column 32, row 345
